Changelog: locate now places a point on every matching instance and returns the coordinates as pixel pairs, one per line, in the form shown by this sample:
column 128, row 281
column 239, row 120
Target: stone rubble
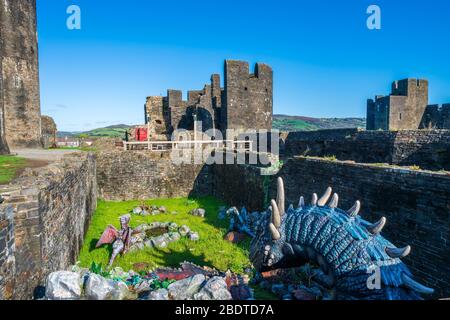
column 80, row 284
column 199, row 212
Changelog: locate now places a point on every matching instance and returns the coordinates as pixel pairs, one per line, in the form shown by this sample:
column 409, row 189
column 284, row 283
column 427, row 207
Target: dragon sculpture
column 347, row 248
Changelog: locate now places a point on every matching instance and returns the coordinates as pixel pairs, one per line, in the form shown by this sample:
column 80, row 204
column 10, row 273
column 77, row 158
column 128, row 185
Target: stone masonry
column 246, row 102
column 49, row 210
column 20, row 75
column 428, row 149
column 406, row 108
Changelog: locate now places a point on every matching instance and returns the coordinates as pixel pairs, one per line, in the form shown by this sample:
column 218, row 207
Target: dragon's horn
column 334, row 201
column 323, row 201
column 274, row 231
column 280, row 196
column 414, row 285
column 398, row 252
column 276, row 217
column 354, row 211
column 301, row 202
column 314, row 199
column 377, row 227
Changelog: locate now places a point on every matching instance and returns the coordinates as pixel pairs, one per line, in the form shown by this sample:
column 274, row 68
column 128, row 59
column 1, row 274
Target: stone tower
column 19, row 73
column 403, row 109
column 248, row 98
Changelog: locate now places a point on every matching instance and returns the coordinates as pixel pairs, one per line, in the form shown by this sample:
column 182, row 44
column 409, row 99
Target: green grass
column 211, row 250
column 9, row 166
column 293, row 125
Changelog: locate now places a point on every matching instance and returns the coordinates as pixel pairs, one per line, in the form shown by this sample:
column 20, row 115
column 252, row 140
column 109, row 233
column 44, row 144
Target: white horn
column 414, row 285
column 274, row 231
column 334, row 201
column 276, row 217
column 323, row 201
column 301, row 202
column 314, row 199
column 398, row 252
column 354, row 211
column 280, row 196
column 377, row 227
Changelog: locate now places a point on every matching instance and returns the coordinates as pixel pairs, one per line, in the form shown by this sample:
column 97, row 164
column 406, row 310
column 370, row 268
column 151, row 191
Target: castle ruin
column 244, row 103
column 20, row 111
column 406, row 108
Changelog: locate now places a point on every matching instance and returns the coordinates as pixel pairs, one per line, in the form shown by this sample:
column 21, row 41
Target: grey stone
column 144, row 286
column 149, row 244
column 161, row 294
column 162, row 209
column 174, row 236
column 215, row 289
column 160, row 242
column 173, row 227
column 137, row 210
column 184, row 230
column 187, row 288
column 63, row 285
column 193, row 236
column 99, row 288
column 199, row 212
column 121, row 292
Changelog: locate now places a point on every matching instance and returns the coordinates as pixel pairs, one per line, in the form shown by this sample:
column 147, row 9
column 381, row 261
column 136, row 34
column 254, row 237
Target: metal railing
column 161, row 146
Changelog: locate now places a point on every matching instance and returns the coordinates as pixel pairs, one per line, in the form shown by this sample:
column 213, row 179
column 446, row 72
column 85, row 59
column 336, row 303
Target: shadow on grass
column 174, row 259
column 211, row 206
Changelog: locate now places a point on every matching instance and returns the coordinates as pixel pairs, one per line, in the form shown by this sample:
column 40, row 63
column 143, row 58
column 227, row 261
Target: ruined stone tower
column 245, row 103
column 19, row 73
column 248, row 99
column 406, row 108
column 403, row 109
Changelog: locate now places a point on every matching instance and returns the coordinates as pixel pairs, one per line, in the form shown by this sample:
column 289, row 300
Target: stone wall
column 7, row 259
column 436, row 117
column 49, row 131
column 141, row 175
column 51, row 209
column 416, row 203
column 4, row 148
column 19, row 59
column 428, row 149
column 248, row 97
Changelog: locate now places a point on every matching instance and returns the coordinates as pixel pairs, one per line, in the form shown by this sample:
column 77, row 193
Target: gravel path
column 41, row 154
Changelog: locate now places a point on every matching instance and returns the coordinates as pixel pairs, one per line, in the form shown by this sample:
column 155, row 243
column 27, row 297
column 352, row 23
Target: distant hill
column 110, row 131
column 299, row 123
column 280, row 122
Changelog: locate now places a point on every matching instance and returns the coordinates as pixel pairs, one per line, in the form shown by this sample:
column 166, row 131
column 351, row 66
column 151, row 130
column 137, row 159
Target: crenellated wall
column 428, row 149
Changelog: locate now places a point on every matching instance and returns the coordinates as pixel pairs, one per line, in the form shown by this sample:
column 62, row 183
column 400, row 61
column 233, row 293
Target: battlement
column 406, row 108
column 409, row 86
column 244, row 103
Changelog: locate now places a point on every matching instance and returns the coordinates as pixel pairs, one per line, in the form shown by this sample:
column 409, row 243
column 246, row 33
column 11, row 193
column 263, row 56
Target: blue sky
column 326, row 61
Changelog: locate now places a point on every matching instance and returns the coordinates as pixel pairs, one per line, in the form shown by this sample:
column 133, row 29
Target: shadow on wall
column 428, row 149
column 187, row 120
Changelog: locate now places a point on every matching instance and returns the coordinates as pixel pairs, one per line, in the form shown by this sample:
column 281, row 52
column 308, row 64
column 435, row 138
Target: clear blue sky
column 326, row 61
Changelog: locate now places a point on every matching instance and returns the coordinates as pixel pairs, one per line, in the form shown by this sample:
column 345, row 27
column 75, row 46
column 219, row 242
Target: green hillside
column 280, row 122
column 299, row 123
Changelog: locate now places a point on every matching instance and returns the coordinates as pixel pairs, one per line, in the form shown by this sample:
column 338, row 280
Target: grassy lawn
column 9, row 166
column 211, row 250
